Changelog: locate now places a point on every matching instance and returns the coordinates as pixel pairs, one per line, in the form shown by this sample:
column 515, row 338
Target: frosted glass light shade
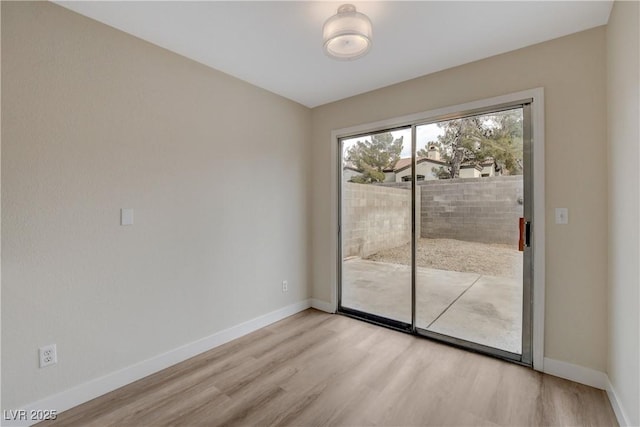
column 347, row 35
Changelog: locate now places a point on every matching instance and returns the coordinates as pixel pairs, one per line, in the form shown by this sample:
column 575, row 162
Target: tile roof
column 406, row 162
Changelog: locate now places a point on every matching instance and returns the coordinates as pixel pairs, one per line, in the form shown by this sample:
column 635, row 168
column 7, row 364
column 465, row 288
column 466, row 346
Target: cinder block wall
column 374, row 218
column 472, row 209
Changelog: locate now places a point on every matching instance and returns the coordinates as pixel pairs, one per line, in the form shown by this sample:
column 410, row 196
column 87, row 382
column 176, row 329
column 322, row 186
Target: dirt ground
column 458, row 255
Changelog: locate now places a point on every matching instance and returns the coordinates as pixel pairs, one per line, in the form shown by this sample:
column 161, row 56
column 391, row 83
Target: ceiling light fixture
column 347, row 35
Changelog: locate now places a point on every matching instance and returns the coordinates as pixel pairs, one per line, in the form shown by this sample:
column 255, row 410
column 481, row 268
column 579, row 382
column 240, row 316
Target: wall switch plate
column 285, row 286
column 562, row 216
column 126, row 216
column 48, row 355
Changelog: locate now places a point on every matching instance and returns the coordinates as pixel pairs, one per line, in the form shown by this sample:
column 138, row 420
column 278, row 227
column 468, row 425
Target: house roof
column 400, row 164
column 471, row 166
column 486, row 162
column 406, row 162
column 352, row 168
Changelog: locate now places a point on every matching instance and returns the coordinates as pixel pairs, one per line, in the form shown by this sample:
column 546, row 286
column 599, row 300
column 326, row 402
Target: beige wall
column 423, row 168
column 95, row 120
column 470, row 173
column 490, row 170
column 623, row 90
column 0, row 212
column 572, row 71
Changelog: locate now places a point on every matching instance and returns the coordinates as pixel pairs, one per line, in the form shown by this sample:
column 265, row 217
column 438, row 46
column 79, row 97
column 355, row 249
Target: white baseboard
column 621, row 415
column 575, row 373
column 322, row 305
column 589, row 377
column 97, row 387
column 102, row 385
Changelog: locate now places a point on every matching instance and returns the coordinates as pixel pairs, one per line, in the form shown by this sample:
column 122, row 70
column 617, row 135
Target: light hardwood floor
column 315, row 369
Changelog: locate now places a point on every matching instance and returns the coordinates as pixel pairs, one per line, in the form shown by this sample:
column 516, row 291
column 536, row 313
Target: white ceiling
column 278, row 45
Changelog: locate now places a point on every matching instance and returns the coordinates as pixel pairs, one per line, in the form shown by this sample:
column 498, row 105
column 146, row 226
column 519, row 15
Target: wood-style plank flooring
column 316, row 369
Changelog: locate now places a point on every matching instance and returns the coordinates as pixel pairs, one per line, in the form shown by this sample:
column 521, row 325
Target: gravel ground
column 457, row 255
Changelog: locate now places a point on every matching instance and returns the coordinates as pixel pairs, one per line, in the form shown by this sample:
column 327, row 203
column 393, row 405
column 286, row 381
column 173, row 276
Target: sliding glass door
column 434, row 229
column 376, row 225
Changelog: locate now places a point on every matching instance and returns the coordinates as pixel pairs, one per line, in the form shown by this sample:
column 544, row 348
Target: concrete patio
column 479, row 308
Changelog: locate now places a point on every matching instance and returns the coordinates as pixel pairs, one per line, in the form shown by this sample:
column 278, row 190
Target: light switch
column 562, row 216
column 126, row 216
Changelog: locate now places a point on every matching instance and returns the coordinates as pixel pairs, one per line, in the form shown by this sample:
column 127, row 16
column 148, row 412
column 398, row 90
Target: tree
column 373, row 157
column 504, row 141
column 474, row 139
column 461, row 142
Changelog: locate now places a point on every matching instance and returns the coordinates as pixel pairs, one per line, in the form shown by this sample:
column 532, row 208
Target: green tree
column 373, row 157
column 504, row 141
column 474, row 139
column 461, row 142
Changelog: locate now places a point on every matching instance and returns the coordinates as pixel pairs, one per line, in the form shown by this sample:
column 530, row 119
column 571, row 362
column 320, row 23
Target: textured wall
column 572, row 72
column 374, row 218
column 474, row 209
column 95, row 120
column 623, row 101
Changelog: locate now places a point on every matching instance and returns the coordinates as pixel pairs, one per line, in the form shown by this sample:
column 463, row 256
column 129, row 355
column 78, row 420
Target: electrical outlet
column 48, row 355
column 285, row 286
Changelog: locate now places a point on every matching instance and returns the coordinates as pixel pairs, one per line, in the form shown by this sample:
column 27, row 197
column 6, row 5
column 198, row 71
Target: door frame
column 536, row 96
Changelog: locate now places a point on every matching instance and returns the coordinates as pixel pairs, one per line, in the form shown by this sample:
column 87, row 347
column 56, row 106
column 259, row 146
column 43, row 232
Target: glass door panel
column 434, row 229
column 469, row 269
column 376, row 223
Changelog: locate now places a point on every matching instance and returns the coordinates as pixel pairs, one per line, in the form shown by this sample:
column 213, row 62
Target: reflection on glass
column 468, row 200
column 468, row 267
column 376, row 224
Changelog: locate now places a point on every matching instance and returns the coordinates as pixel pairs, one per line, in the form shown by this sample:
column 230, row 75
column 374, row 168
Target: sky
column 424, row 134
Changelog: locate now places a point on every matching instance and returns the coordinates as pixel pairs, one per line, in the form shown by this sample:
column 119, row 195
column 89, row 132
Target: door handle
column 525, row 234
